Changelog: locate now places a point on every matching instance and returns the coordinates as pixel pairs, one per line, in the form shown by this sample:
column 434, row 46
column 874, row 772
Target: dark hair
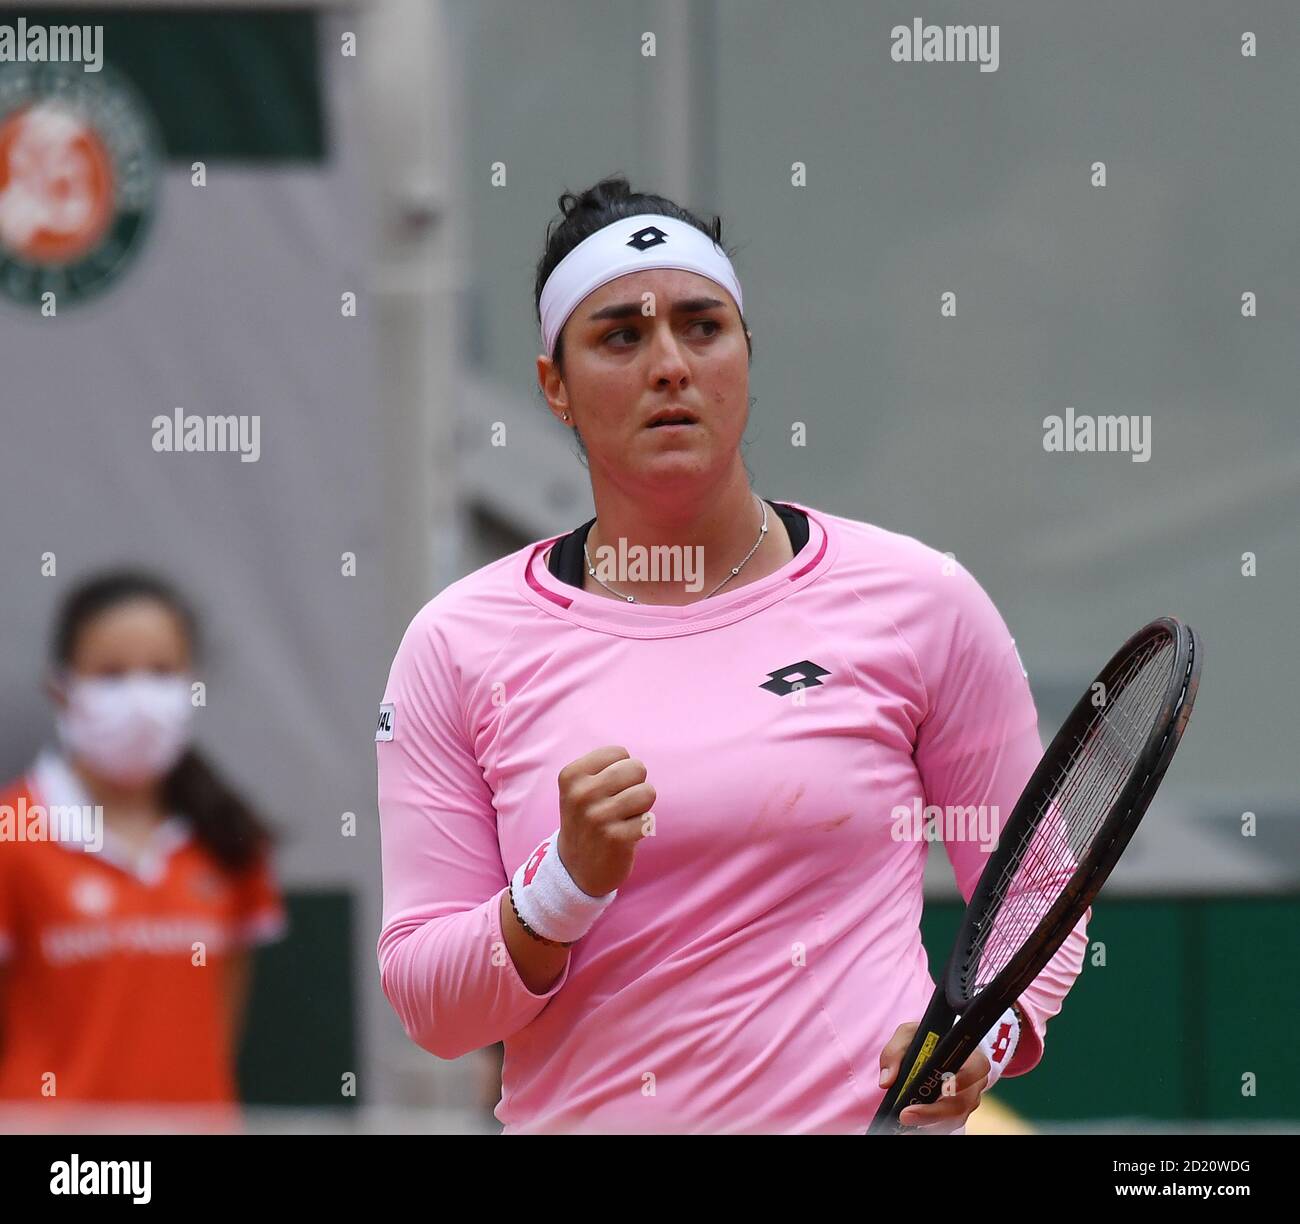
column 582, row 215
column 222, row 820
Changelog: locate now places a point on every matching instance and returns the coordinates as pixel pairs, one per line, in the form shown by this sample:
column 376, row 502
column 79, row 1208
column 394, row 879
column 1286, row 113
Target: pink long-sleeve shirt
column 766, row 944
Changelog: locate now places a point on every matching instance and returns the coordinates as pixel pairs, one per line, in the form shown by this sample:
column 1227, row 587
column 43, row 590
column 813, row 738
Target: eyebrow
column 684, row 306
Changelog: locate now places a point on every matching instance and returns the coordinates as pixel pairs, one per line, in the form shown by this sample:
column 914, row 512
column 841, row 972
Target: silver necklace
column 735, row 569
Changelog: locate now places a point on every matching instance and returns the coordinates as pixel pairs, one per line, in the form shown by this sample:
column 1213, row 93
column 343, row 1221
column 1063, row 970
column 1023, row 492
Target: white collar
column 55, row 783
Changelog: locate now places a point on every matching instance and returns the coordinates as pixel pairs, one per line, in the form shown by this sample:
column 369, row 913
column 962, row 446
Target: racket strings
column 1072, row 811
column 1067, row 822
column 1084, row 789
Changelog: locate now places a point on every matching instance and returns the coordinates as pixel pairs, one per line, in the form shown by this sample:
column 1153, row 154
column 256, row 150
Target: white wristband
column 999, row 1044
column 548, row 900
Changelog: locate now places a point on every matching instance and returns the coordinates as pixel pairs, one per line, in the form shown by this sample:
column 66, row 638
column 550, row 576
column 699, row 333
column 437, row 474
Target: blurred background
column 326, row 218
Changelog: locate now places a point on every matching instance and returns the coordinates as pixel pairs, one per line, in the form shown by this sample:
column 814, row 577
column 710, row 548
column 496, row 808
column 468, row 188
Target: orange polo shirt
column 115, row 982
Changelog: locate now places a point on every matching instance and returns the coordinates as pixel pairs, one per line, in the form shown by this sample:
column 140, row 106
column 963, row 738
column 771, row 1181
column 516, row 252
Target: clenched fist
column 604, row 801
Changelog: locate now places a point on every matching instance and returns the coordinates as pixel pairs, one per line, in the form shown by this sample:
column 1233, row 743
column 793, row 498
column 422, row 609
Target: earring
column 565, row 417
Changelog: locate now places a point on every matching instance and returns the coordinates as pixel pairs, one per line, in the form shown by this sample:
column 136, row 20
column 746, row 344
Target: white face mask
column 129, row 728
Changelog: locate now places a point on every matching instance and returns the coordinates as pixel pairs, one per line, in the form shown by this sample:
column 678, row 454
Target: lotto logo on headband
column 650, row 236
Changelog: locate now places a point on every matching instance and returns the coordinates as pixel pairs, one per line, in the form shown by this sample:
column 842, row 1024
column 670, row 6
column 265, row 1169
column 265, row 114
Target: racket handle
column 938, row 1019
column 948, row 1057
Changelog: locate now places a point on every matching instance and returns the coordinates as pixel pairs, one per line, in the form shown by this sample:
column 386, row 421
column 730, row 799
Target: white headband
column 631, row 244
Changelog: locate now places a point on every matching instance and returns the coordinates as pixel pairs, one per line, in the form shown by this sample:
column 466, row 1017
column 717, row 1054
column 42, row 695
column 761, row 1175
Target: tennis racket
column 1058, row 846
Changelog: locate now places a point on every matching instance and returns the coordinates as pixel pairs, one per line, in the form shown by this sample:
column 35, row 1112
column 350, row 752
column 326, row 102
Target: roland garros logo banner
column 98, row 104
column 79, row 160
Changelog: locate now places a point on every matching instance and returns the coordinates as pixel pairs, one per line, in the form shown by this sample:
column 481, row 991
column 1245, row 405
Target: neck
column 721, row 522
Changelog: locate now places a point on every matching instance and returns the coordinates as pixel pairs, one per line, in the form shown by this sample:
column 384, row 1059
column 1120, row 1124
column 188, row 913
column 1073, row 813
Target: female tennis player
column 658, row 825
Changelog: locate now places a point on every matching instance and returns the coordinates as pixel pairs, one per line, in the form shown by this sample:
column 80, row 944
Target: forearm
column 455, row 983
column 539, row 964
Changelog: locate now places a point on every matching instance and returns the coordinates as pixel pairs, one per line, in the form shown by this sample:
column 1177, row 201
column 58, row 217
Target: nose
column 668, row 365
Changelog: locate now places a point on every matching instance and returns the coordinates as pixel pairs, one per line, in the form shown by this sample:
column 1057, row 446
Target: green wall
column 1194, row 994
column 233, row 85
column 300, row 1036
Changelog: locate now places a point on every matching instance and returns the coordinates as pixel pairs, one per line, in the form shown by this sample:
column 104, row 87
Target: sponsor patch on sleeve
column 384, row 728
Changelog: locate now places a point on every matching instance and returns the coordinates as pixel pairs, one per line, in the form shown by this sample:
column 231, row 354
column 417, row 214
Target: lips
column 670, row 417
